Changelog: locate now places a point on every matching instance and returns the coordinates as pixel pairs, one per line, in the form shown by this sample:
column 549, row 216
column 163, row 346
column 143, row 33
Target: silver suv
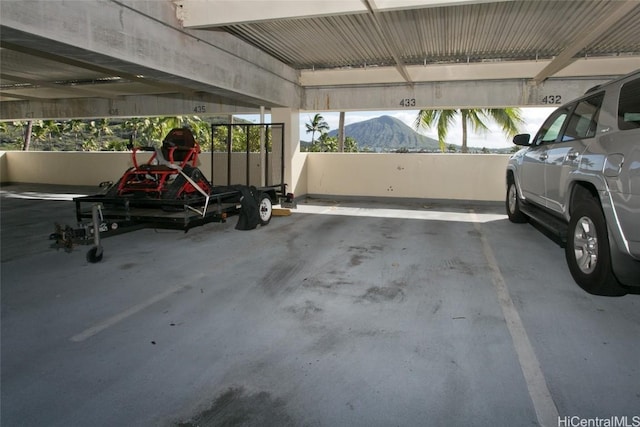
column 580, row 180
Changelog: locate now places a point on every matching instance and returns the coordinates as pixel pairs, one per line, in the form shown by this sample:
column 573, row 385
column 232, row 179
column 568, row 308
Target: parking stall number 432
column 552, row 99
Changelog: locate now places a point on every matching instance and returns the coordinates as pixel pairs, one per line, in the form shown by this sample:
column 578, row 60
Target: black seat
column 183, row 142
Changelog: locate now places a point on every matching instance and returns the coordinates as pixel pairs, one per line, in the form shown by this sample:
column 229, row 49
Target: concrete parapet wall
column 89, row 168
column 430, row 176
column 65, row 168
column 4, row 173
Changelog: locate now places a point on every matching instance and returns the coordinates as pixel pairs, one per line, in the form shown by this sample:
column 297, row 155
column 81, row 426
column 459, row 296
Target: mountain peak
column 387, row 119
column 386, row 133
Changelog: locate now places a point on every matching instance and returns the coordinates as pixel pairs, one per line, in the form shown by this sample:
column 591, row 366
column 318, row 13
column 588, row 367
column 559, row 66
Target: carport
column 344, row 313
column 424, row 308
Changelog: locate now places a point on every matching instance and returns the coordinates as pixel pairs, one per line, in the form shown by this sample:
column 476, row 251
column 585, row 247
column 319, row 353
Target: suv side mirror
column 522, row 139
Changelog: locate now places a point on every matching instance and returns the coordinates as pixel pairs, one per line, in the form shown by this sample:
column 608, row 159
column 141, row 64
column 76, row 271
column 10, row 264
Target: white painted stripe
column 427, row 214
column 543, row 403
column 88, row 333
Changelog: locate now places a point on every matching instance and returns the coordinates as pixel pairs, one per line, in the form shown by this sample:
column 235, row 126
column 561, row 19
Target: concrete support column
column 263, row 157
column 294, row 160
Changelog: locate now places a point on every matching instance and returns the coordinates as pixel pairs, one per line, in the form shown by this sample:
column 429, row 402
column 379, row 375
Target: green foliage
column 326, row 142
column 507, row 118
column 44, row 131
column 149, row 131
column 350, row 145
column 99, row 134
column 11, row 135
column 116, row 145
column 241, row 137
column 317, row 124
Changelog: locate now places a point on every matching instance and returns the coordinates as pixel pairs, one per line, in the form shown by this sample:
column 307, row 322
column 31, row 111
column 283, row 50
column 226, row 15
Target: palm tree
column 318, row 124
column 201, row 131
column 508, row 118
column 341, row 132
column 27, row 133
column 98, row 129
column 44, row 131
column 134, row 126
column 151, row 130
column 75, row 128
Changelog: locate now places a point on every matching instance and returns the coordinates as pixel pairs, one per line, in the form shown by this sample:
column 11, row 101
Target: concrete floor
column 342, row 314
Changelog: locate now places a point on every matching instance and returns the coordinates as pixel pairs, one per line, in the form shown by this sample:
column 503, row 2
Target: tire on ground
column 512, row 203
column 265, row 208
column 587, row 251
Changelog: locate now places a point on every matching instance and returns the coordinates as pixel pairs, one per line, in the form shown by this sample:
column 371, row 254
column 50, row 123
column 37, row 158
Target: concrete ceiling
column 316, row 45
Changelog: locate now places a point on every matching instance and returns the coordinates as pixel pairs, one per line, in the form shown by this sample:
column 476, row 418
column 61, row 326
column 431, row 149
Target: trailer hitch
column 66, row 237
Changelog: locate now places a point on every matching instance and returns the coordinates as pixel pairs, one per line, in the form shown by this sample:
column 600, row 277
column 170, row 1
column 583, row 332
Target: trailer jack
column 95, row 253
column 67, row 237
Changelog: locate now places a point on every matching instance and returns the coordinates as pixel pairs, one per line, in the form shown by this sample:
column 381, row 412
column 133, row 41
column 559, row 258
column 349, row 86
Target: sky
column 494, row 138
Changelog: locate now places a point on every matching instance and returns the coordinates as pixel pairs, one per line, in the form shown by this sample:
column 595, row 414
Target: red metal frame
column 179, row 152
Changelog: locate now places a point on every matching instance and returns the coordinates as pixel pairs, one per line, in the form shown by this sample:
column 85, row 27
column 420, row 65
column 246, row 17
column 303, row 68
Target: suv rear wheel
column 587, row 250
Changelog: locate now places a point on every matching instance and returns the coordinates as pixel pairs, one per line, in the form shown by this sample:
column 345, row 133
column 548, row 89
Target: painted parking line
column 545, row 407
column 424, row 214
column 96, row 329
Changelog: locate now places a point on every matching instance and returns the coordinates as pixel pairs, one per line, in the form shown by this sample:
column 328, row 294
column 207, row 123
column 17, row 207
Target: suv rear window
column 584, row 119
column 629, row 106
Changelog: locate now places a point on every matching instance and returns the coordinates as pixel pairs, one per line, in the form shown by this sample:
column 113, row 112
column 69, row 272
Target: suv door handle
column 544, row 156
column 572, row 155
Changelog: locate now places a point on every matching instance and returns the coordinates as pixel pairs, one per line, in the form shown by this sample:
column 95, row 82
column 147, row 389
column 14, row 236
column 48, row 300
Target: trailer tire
column 265, row 208
column 94, row 255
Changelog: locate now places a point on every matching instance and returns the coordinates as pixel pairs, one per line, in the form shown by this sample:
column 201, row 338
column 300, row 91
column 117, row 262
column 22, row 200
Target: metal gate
column 248, row 153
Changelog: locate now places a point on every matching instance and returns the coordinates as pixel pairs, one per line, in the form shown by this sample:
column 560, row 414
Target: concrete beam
column 386, row 35
column 200, row 104
column 212, row 13
column 84, row 91
column 582, row 40
column 442, row 95
column 590, row 67
column 510, row 91
column 127, row 37
column 453, row 86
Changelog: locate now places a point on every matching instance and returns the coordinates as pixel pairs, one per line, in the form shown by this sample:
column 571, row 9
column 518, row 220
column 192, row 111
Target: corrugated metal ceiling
column 478, row 32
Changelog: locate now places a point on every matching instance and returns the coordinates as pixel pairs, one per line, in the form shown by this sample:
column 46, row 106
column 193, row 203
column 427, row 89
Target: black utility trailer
column 169, row 191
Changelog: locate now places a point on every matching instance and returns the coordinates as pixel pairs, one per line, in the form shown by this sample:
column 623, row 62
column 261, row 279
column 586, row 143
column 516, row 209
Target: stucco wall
column 429, row 176
column 299, row 172
column 4, row 173
column 66, row 168
column 89, row 168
